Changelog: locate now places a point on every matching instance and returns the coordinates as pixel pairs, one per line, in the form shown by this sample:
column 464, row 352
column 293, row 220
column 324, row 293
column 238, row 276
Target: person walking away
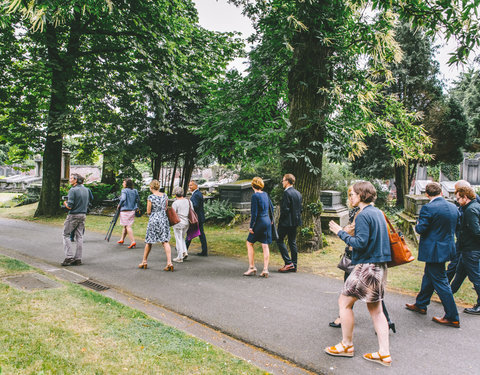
column 370, row 254
column 158, row 227
column 468, row 245
column 290, row 219
column 77, row 206
column 129, row 200
column 198, row 206
column 452, row 266
column 350, row 229
column 181, row 207
column 260, row 227
column 436, row 226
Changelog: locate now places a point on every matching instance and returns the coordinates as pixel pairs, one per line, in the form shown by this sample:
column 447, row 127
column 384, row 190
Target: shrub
column 219, row 211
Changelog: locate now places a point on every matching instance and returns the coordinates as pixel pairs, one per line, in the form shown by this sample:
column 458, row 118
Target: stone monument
column 333, row 209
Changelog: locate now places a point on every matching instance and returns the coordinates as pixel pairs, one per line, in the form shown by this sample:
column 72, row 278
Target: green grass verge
column 230, row 241
column 71, row 330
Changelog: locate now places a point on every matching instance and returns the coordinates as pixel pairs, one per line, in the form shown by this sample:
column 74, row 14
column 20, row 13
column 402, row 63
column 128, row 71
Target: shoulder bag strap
column 392, row 229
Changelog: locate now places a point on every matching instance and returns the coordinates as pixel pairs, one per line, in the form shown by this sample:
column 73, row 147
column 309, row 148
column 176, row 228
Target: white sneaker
column 178, row 260
column 185, row 256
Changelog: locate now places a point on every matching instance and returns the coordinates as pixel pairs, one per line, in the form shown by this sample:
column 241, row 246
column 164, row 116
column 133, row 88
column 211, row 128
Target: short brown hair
column 366, row 191
column 433, row 189
column 155, row 185
column 466, row 191
column 257, row 183
column 129, row 183
column 290, row 178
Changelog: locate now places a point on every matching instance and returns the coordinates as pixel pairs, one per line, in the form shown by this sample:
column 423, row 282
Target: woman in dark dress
column 260, row 227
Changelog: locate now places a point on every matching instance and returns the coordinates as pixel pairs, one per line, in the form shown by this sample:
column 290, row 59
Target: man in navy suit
column 436, row 226
column 197, row 202
column 290, row 219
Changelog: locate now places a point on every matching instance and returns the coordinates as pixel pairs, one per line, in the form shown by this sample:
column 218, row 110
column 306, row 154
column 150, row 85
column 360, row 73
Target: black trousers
column 291, row 233
column 203, row 239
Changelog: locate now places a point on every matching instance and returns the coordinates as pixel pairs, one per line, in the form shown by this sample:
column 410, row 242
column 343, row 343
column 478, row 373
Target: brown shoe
column 446, row 322
column 287, row 268
column 415, row 308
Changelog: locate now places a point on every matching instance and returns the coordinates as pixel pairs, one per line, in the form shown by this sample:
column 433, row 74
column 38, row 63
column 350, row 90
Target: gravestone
column 470, row 169
column 414, row 203
column 333, row 209
column 448, row 189
column 419, row 187
column 421, row 173
column 238, row 193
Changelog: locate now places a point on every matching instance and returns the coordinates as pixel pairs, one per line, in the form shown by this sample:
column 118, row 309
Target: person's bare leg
column 148, row 247
column 266, row 256
column 168, row 253
column 381, row 327
column 250, row 253
column 345, row 306
column 124, row 233
column 129, row 231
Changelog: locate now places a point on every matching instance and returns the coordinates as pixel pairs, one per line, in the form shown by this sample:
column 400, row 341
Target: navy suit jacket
column 436, row 226
column 291, row 208
column 197, row 201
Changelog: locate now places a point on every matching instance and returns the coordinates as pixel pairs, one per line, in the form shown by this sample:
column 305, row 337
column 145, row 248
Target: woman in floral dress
column 158, row 228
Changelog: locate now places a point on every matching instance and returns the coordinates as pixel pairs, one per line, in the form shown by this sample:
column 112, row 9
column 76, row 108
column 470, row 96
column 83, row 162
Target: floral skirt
column 366, row 282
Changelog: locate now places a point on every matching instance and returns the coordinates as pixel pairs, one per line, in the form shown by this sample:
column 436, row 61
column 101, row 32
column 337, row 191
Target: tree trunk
column 157, row 165
column 172, row 182
column 309, row 72
column 108, row 170
column 188, row 169
column 61, row 72
column 49, row 203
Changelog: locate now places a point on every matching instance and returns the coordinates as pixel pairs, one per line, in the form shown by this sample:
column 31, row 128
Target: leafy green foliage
column 219, row 211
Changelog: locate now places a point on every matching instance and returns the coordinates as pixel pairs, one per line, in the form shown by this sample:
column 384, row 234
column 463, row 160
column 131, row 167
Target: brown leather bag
column 400, row 252
column 172, row 215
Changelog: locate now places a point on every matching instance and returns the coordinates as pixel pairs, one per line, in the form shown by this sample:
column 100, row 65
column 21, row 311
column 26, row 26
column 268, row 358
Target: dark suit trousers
column 469, row 266
column 291, row 232
column 435, row 279
column 203, row 239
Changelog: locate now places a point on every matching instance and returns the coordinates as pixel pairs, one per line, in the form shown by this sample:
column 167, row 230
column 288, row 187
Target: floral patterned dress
column 158, row 228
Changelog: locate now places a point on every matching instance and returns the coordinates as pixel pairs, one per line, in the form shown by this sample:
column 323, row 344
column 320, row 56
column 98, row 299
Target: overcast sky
column 221, row 16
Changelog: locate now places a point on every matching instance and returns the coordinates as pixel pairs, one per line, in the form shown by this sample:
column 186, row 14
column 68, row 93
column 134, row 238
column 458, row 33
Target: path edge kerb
column 259, row 356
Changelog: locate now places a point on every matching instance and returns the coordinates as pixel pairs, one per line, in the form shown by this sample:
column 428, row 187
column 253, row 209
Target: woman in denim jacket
column 127, row 205
column 371, row 252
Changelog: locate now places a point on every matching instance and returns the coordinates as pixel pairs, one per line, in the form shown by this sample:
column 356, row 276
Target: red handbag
column 192, row 215
column 172, row 215
column 399, row 249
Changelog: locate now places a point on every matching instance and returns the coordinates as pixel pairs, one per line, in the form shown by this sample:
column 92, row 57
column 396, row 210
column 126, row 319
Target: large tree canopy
column 331, row 58
column 106, row 70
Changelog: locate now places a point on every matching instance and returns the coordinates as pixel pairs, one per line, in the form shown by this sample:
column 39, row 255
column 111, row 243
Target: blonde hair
column 257, row 183
column 155, row 185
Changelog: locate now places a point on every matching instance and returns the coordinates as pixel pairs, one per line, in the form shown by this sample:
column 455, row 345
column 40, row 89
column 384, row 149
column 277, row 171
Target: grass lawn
column 230, row 241
column 71, row 330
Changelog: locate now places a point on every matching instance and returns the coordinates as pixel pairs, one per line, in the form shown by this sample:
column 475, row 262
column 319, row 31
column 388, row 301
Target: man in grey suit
column 290, row 219
column 436, row 226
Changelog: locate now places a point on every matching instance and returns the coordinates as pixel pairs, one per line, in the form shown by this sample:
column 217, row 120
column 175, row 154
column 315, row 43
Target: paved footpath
column 286, row 314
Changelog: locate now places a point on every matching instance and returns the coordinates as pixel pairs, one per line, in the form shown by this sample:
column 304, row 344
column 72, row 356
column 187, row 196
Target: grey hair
column 178, row 191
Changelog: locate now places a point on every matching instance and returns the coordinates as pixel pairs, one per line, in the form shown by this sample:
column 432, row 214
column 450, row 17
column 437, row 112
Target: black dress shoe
column 202, row 254
column 335, row 325
column 68, row 262
column 77, row 262
column 475, row 310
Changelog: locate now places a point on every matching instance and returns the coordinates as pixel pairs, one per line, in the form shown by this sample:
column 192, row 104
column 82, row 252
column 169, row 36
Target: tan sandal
column 380, row 359
column 347, row 351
